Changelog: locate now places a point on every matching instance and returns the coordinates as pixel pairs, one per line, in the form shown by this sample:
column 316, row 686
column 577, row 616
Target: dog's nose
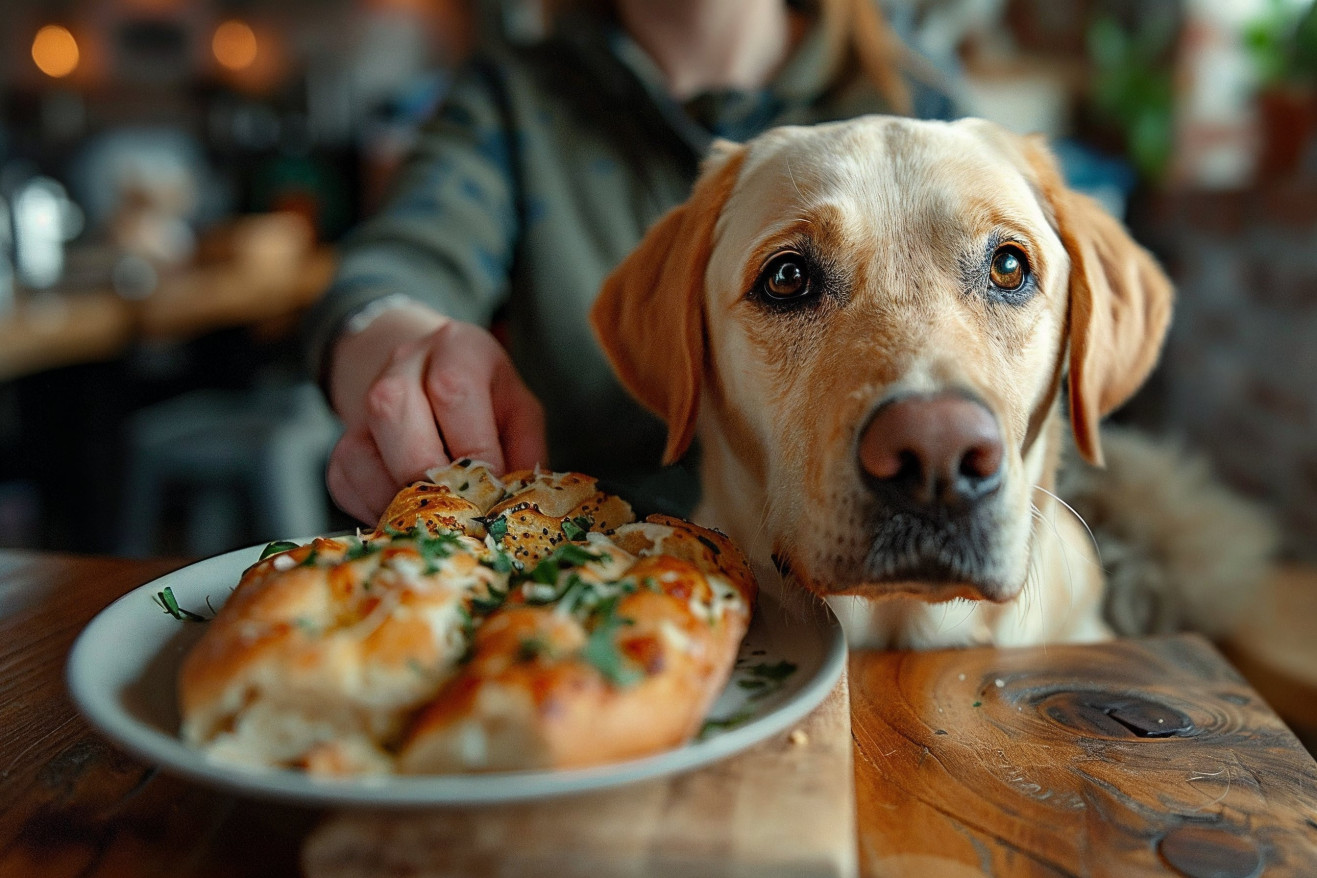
column 932, row 451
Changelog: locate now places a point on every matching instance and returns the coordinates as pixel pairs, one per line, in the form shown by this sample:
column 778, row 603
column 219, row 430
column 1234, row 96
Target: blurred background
column 174, row 175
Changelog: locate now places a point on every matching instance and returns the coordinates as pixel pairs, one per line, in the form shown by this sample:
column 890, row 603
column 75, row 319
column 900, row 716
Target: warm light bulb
column 234, row 45
column 55, row 51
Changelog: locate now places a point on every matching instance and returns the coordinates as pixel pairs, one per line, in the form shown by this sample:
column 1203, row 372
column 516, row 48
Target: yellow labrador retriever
column 869, row 325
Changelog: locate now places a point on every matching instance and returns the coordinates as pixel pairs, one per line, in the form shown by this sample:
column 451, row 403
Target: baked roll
column 485, row 624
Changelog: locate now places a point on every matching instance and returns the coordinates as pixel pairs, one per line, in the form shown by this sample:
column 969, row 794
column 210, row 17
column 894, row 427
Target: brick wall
column 1239, row 375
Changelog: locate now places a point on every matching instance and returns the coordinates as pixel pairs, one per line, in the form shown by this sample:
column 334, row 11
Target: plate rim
column 104, row 712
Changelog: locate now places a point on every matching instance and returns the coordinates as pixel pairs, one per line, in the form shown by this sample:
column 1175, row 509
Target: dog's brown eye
column 1009, row 268
column 785, row 277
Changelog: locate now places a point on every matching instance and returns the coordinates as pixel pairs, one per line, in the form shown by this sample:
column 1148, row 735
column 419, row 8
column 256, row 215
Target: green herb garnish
column 601, row 650
column 576, row 528
column 723, row 724
column 565, row 556
column 167, row 600
column 497, row 528
column 502, row 563
column 435, row 547
column 362, row 548
column 276, row 547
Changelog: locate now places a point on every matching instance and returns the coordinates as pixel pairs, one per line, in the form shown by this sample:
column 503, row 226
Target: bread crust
column 486, row 624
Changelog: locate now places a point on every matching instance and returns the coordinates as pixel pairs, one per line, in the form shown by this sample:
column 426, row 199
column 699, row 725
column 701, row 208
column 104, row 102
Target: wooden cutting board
column 785, row 807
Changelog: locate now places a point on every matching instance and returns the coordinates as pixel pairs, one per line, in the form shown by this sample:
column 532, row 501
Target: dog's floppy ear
column 1120, row 305
column 649, row 316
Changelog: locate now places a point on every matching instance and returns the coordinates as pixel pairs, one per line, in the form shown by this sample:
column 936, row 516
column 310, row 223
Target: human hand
column 417, row 390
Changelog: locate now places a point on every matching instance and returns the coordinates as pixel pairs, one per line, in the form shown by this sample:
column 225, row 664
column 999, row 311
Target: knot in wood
column 1113, row 715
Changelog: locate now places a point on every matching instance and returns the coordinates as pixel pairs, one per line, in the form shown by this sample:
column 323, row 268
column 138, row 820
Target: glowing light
column 234, row 45
column 55, row 51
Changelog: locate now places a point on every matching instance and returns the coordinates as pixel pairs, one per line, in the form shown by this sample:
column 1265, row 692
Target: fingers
column 357, row 478
column 399, row 418
column 458, row 383
column 450, row 395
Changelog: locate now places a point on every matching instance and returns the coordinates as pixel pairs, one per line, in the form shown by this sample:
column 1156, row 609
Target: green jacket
column 540, row 172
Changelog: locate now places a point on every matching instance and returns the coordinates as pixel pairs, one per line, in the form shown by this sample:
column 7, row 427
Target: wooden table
column 1131, row 758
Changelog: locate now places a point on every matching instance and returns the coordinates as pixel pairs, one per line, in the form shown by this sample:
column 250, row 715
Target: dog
column 878, row 329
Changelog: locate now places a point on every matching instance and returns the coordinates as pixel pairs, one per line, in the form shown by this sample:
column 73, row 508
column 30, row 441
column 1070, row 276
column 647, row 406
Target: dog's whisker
column 1092, row 538
column 1033, row 573
column 1061, row 546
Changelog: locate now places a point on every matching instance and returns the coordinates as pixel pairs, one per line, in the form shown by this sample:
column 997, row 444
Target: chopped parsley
column 496, row 527
column 722, row 724
column 567, row 555
column 502, row 563
column 276, row 547
column 362, row 548
column 576, row 528
column 601, row 650
column 435, row 547
column 167, row 600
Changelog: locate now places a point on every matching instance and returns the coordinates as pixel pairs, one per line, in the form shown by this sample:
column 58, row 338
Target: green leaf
column 502, row 563
column 362, row 548
column 276, row 547
column 167, row 600
column 435, row 547
column 601, row 650
column 576, row 528
column 722, row 724
column 497, row 528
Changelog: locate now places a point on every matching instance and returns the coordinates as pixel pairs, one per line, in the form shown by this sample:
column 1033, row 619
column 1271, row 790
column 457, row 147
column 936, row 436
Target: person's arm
column 420, row 382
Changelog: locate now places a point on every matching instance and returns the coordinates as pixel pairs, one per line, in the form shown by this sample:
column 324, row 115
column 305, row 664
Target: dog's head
column 875, row 319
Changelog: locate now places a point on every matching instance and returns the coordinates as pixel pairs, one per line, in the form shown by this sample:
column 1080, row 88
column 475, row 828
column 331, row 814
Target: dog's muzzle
column 932, row 464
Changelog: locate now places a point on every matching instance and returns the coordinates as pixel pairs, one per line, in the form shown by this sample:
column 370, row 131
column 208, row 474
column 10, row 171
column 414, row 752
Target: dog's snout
column 932, row 452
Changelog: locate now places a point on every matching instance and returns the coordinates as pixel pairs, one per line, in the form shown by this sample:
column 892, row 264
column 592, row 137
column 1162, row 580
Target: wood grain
column 74, row 805
column 783, row 808
column 1133, row 758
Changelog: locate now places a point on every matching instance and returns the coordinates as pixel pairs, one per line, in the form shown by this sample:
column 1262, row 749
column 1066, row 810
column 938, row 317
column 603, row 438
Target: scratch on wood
column 36, row 742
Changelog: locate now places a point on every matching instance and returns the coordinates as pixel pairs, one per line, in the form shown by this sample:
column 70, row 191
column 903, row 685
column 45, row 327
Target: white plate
column 123, row 666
